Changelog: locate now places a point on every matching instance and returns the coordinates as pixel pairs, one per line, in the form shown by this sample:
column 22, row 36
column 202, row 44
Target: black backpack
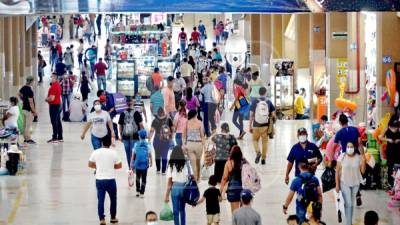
column 309, row 191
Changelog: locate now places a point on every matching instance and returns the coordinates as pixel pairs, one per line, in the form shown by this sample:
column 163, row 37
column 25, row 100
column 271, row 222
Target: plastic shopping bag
column 339, row 203
column 206, row 171
column 131, row 178
column 166, row 213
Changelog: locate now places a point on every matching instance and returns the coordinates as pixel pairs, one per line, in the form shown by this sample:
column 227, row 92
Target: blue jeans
column 178, row 203
column 300, row 212
column 56, row 124
column 53, row 59
column 96, row 142
column 103, row 187
column 183, row 47
column 237, row 115
column 178, row 139
column 161, row 153
column 128, row 144
column 92, row 64
column 101, row 81
column 349, row 194
column 65, row 101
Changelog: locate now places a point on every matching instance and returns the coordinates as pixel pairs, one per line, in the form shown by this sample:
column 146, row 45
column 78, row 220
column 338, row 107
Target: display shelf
column 166, row 67
column 125, row 77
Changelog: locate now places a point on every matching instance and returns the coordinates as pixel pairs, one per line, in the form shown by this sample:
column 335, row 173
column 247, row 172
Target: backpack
column 250, row 178
column 130, row 126
column 165, row 132
column 150, row 84
column 308, row 192
column 191, row 193
column 68, row 58
column 261, row 115
column 142, row 155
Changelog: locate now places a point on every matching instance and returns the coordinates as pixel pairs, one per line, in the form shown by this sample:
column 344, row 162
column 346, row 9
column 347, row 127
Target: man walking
column 54, row 100
column 28, row 108
column 105, row 161
column 209, row 106
column 246, row 215
column 260, row 112
column 169, row 98
column 100, row 69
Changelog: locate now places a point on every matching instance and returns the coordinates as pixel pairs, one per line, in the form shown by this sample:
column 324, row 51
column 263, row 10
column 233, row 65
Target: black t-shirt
column 157, row 124
column 26, row 93
column 212, row 195
column 60, row 68
column 137, row 118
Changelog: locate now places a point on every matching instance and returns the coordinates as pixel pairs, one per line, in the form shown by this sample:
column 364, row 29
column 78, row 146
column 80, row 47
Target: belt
column 197, row 141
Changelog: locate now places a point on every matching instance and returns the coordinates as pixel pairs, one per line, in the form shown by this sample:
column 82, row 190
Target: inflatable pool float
column 343, row 103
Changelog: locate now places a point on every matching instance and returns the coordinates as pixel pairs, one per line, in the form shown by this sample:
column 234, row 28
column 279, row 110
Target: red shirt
column 59, row 49
column 238, row 91
column 195, row 36
column 55, row 89
column 182, row 36
column 100, row 68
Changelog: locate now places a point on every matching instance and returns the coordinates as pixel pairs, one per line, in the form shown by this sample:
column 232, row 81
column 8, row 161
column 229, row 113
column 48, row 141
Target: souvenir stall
column 166, row 66
column 126, row 77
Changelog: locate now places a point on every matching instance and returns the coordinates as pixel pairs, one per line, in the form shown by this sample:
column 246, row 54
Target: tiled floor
column 58, row 188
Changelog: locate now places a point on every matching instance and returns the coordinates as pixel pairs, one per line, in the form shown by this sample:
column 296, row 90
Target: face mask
column 97, row 108
column 152, row 223
column 350, row 150
column 302, row 138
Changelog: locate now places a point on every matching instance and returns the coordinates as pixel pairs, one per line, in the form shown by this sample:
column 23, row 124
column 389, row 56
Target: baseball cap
column 302, row 130
column 142, row 134
column 102, row 98
column 246, row 194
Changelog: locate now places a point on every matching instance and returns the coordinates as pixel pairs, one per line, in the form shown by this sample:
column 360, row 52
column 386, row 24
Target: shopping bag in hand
column 166, row 213
column 339, row 203
column 131, row 178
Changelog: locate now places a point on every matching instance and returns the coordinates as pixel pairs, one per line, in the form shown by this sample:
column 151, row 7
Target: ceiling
column 244, row 6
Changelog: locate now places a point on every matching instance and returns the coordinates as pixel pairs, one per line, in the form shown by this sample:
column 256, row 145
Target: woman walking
column 178, row 172
column 232, row 177
column 349, row 167
column 162, row 130
column 193, row 137
column 239, row 93
column 180, row 122
column 223, row 143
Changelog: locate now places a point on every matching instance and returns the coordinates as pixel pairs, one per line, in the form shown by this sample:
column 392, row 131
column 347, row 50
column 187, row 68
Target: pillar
column 2, row 69
column 8, row 53
column 22, row 52
column 255, row 38
column 335, row 49
column 265, row 46
column 15, row 51
column 277, row 35
column 388, row 44
column 34, row 50
column 28, row 52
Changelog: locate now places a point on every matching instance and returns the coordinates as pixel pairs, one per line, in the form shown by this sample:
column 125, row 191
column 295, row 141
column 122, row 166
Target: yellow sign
column 342, row 71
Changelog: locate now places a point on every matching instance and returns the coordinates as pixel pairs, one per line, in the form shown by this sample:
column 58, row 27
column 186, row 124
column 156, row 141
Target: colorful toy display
column 391, row 87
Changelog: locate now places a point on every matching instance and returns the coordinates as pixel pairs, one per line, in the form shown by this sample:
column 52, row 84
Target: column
column 277, row 35
column 22, row 52
column 335, row 49
column 265, row 46
column 15, row 51
column 8, row 53
column 255, row 38
column 2, row 57
column 28, row 52
column 388, row 44
column 34, row 58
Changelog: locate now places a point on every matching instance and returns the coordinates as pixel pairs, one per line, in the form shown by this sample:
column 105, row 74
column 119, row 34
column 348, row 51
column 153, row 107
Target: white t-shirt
column 351, row 174
column 99, row 123
column 11, row 122
column 105, row 160
column 186, row 70
column 179, row 85
column 180, row 177
column 76, row 108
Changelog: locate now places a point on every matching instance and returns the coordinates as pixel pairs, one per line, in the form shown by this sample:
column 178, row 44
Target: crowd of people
column 185, row 112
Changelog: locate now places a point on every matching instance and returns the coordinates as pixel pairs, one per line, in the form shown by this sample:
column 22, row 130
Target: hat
column 102, row 98
column 246, row 194
column 142, row 134
column 301, row 130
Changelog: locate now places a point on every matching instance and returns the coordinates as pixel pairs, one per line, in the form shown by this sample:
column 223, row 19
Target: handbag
column 191, row 193
column 131, row 178
column 209, row 155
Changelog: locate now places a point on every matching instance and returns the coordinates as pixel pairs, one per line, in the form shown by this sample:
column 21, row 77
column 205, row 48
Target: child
column 140, row 162
column 212, row 196
column 292, row 220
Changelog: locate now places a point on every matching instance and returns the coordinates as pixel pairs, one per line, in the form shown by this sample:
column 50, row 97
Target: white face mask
column 97, row 108
column 152, row 223
column 350, row 150
column 302, row 138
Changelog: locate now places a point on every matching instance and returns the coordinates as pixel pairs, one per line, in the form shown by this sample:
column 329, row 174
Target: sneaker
column 103, row 222
column 141, row 195
column 60, row 140
column 32, row 142
column 115, row 220
column 52, row 141
column 163, row 173
column 137, row 194
column 263, row 162
column 258, row 158
column 158, row 172
column 358, row 200
column 241, row 135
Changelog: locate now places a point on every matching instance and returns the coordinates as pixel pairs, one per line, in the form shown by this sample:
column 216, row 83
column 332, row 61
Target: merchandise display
column 125, row 77
column 144, row 69
column 284, row 88
column 166, row 67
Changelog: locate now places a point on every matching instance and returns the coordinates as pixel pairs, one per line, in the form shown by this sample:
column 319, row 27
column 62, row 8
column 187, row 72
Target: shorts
column 212, row 218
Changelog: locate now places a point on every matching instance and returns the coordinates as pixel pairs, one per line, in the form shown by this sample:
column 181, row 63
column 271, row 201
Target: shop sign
column 387, row 59
column 339, row 35
column 119, row 102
